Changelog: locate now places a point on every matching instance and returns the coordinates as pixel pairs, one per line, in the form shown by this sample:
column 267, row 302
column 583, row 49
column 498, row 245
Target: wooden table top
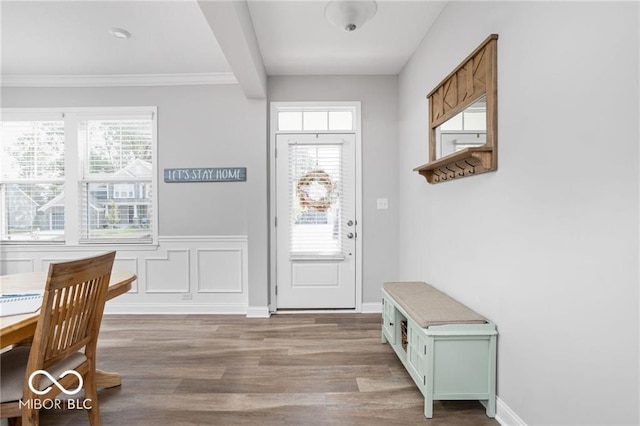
column 15, row 328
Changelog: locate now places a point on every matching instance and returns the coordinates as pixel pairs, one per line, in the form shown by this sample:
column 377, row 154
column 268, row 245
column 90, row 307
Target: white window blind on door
column 32, row 180
column 315, row 199
column 117, row 177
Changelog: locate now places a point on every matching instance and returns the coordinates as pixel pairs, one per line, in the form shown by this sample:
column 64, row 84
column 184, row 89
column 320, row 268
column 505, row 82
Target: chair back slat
column 72, row 308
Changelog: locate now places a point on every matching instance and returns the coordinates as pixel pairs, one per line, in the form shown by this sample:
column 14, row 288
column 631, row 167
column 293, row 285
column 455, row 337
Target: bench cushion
column 428, row 306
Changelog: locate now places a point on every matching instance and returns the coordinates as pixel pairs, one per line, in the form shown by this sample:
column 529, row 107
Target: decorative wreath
column 307, row 200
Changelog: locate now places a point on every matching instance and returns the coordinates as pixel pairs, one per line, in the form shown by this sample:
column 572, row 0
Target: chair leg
column 30, row 417
column 15, row 421
column 91, row 392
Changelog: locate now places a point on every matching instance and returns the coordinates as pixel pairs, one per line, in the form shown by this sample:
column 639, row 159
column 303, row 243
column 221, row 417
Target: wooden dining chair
column 64, row 341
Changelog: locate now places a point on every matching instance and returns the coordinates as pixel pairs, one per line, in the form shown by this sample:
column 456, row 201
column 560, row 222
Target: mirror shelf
column 469, row 90
column 466, row 162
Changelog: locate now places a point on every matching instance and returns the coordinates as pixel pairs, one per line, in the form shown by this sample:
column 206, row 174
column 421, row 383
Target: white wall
column 547, row 246
column 198, row 126
column 379, row 97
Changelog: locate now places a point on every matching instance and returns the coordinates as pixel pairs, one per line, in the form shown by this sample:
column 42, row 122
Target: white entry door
column 316, row 221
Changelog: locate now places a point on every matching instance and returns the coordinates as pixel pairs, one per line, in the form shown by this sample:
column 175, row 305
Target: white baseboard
column 258, row 312
column 173, row 309
column 505, row 415
column 372, row 308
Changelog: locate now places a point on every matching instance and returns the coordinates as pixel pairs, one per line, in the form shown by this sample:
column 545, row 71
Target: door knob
column 350, row 235
column 350, row 223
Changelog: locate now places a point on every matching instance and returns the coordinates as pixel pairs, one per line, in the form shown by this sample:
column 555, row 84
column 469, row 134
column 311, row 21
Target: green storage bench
column 448, row 349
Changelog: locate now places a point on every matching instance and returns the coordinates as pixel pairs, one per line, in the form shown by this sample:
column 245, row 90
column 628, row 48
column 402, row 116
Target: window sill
column 61, row 247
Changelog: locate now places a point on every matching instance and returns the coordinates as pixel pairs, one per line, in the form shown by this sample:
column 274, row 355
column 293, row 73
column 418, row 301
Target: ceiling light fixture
column 119, row 33
column 350, row 15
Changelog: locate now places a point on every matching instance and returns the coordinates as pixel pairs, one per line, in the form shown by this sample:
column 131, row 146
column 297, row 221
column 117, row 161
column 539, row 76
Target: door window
column 315, row 187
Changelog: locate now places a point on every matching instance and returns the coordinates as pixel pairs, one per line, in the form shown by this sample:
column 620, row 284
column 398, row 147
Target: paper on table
column 16, row 304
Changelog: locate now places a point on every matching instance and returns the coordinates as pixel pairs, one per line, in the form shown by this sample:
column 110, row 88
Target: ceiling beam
column 232, row 27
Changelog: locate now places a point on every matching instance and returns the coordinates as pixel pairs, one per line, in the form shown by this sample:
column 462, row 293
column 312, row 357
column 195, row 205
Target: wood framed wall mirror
column 463, row 118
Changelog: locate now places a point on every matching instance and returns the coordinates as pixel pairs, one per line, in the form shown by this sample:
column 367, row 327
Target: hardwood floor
column 321, row 369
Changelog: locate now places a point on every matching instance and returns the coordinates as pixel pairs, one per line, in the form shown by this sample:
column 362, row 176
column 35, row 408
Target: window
column 117, row 170
column 123, row 190
column 32, row 179
column 315, row 183
column 106, row 194
column 317, row 119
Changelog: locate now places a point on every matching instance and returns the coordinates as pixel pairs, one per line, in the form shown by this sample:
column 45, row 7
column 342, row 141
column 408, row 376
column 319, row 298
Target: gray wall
column 547, row 246
column 379, row 98
column 198, row 126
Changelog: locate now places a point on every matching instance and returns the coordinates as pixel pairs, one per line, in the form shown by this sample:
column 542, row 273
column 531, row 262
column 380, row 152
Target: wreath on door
column 315, row 190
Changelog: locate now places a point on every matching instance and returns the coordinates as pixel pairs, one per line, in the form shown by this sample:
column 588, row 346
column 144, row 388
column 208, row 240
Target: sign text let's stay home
column 206, row 174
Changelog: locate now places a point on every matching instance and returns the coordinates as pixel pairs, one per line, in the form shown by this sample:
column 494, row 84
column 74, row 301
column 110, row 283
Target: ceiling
column 295, row 38
column 72, row 38
column 65, row 38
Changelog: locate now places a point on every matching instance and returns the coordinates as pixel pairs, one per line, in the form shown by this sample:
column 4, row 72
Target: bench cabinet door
column 416, row 352
column 388, row 320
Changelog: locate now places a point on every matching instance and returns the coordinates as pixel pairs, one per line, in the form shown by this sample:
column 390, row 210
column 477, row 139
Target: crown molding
column 122, row 80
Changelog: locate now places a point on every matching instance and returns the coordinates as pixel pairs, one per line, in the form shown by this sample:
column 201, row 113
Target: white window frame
column 74, row 163
column 303, row 107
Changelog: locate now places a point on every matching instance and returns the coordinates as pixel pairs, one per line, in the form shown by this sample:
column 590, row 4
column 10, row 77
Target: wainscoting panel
column 15, row 266
column 220, row 270
column 168, row 274
column 203, row 274
column 128, row 264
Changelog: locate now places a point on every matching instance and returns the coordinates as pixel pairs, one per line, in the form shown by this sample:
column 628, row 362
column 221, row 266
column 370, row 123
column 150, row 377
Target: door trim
column 273, row 115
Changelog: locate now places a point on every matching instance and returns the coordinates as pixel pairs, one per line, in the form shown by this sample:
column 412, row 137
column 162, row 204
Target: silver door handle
column 350, row 235
column 350, row 223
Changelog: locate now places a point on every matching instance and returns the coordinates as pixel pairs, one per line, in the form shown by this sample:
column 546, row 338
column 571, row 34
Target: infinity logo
column 55, row 382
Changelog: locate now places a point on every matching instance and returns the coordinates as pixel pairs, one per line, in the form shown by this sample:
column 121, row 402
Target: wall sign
column 206, row 174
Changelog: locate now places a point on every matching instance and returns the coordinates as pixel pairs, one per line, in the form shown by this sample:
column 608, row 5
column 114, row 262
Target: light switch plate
column 382, row 203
